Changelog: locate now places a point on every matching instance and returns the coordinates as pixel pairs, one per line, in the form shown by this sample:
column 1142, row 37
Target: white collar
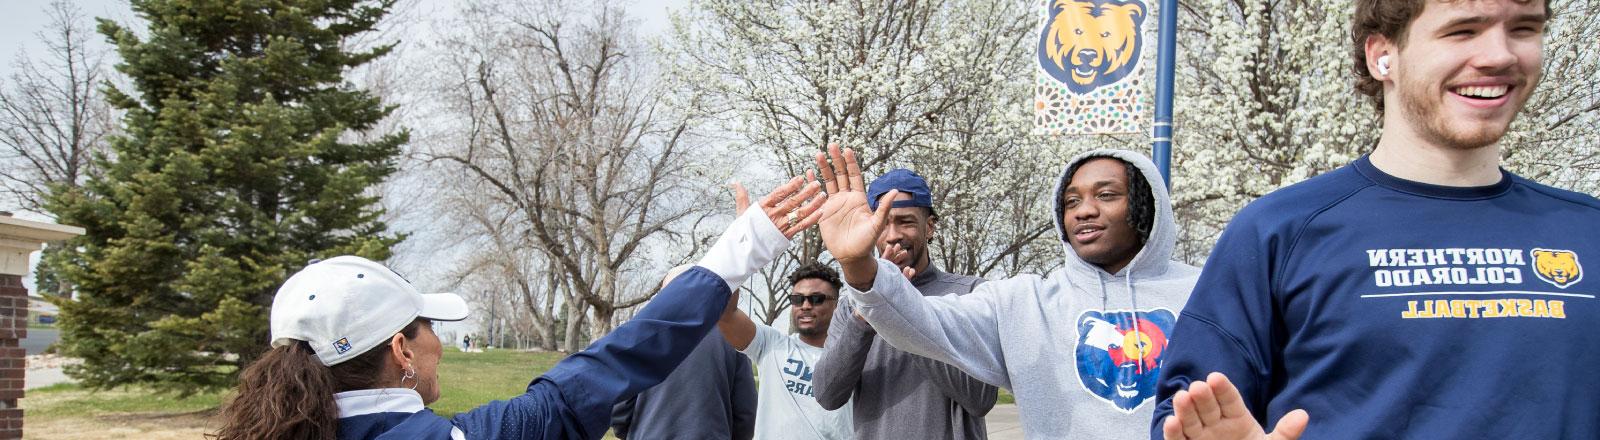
column 380, row 400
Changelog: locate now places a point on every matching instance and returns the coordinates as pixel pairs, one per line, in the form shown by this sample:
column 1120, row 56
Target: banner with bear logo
column 1091, row 72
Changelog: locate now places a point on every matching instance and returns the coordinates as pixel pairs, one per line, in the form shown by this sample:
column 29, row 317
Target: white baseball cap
column 344, row 306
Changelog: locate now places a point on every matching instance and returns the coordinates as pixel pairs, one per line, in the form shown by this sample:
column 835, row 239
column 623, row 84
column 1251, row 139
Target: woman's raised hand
column 792, row 207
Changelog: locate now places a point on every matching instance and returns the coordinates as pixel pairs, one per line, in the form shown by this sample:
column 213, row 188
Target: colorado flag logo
column 342, row 345
column 1119, row 354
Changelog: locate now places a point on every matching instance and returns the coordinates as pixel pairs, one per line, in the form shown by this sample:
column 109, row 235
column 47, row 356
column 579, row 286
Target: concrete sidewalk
column 43, row 377
column 45, row 370
column 1004, row 423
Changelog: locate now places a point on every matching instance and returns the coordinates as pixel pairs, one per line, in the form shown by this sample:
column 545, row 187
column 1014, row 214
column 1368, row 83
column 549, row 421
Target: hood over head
column 1157, row 250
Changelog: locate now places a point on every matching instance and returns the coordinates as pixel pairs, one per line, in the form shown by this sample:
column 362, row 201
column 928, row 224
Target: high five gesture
column 791, row 207
column 849, row 227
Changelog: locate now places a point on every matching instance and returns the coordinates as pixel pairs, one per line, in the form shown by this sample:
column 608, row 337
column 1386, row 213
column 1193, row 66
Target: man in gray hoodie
column 896, row 394
column 1080, row 348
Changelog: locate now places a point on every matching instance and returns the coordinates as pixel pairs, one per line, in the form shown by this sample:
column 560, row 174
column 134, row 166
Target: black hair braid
column 1141, row 202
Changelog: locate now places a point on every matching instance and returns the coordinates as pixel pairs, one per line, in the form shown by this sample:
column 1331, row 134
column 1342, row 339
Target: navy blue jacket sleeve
column 1228, row 324
column 574, row 399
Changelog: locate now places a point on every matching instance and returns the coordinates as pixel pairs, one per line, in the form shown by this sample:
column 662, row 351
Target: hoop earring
column 411, row 373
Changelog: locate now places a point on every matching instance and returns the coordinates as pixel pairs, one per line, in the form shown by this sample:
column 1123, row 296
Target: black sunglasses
column 816, row 299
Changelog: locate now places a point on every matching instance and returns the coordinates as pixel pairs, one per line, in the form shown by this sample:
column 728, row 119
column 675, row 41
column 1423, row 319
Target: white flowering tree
column 941, row 87
column 1555, row 141
column 1265, row 98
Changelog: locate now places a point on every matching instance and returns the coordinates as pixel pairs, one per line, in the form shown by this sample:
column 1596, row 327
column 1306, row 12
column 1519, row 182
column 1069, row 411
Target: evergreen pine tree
column 235, row 168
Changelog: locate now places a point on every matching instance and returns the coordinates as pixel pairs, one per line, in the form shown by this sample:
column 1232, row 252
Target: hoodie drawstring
column 1133, row 315
column 1138, row 337
column 1103, row 294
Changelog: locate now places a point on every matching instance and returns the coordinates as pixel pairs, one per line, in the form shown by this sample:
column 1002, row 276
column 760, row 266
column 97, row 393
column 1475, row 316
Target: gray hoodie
column 1064, row 344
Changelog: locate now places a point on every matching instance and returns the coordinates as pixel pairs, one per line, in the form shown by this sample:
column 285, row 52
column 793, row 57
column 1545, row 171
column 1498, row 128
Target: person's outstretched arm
column 962, row 331
column 959, row 330
column 574, row 399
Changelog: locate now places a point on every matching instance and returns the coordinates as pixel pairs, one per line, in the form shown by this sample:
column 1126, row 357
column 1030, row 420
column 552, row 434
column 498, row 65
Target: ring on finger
column 793, row 218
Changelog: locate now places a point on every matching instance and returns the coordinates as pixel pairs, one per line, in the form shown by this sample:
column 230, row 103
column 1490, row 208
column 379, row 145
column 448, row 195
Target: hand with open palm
column 1212, row 409
column 792, row 207
column 849, row 227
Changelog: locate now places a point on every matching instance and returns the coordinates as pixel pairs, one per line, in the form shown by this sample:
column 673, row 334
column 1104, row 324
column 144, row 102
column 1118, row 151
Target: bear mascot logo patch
column 1557, row 267
column 1119, row 354
column 1087, row 44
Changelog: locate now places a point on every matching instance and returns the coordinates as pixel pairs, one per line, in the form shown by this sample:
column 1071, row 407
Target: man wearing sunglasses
column 895, row 394
column 786, row 403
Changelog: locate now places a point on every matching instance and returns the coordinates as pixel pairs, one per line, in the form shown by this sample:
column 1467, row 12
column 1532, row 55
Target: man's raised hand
column 849, row 227
column 1212, row 409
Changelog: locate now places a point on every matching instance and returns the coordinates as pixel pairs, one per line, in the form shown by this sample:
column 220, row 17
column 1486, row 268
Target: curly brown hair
column 288, row 393
column 1391, row 19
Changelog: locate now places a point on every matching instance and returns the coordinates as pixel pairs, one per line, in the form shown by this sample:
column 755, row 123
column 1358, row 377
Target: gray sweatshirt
column 1080, row 348
column 898, row 395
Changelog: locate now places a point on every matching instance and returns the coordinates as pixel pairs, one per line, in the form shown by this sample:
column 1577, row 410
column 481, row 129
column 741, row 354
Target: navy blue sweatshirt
column 1389, row 308
column 711, row 395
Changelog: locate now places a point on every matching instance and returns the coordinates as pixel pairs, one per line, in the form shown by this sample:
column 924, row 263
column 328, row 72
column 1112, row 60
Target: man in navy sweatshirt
column 1420, row 292
column 712, row 394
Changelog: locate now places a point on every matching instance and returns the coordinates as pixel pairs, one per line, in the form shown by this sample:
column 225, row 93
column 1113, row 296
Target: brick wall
column 13, row 327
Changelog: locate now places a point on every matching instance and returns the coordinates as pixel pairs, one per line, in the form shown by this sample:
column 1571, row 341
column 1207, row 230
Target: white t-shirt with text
column 787, row 405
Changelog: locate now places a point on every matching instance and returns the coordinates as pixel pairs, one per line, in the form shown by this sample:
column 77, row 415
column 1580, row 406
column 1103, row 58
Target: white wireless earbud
column 1383, row 65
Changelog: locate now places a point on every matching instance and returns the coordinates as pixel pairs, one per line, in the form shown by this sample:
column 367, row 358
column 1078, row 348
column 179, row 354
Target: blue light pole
column 1166, row 63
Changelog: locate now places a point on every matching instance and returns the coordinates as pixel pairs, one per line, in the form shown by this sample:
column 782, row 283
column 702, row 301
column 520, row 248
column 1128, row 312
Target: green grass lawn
column 67, row 400
column 467, row 380
column 471, row 379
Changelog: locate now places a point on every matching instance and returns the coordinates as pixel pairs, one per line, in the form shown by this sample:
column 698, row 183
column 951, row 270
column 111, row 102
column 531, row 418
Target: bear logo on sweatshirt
column 1119, row 354
column 1560, row 268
